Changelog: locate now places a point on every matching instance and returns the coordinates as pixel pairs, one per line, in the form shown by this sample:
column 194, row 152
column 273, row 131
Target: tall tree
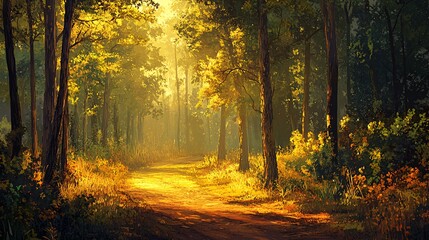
column 332, row 88
column 105, row 119
column 178, row 96
column 221, row 148
column 347, row 13
column 34, row 141
column 50, row 71
column 306, row 100
column 61, row 106
column 186, row 106
column 15, row 108
column 268, row 144
column 397, row 88
column 234, row 56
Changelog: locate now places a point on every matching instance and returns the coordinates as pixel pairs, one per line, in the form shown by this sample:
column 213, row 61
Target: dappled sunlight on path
column 197, row 211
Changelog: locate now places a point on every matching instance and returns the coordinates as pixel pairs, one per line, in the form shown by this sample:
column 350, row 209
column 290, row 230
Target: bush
column 388, row 172
column 25, row 203
column 399, row 205
column 381, row 147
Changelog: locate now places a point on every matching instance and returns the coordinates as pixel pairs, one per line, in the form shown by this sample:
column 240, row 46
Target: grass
column 238, row 185
column 297, row 190
column 96, row 204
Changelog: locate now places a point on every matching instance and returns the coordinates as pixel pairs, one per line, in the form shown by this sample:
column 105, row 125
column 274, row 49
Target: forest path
column 190, row 210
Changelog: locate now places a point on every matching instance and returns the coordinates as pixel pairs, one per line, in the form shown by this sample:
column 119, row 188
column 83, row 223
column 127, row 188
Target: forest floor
column 185, row 207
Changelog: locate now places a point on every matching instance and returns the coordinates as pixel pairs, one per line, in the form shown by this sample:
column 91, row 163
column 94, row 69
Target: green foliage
column 24, row 201
column 388, row 169
column 312, row 156
column 385, row 147
column 385, row 173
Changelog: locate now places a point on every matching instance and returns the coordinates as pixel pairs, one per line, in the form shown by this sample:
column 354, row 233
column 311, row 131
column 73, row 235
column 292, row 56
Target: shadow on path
column 190, row 211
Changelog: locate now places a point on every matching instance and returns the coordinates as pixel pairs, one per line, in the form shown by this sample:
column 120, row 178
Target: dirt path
column 192, row 211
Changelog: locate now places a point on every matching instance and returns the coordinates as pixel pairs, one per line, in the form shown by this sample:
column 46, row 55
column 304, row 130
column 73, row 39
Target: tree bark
column 332, row 89
column 209, row 133
column 61, row 107
column 34, row 142
column 306, row 100
column 289, row 104
column 129, row 127
column 347, row 9
column 373, row 75
column 15, row 107
column 115, row 123
column 404, row 66
column 221, row 149
column 74, row 131
column 85, row 120
column 64, row 140
column 105, row 120
column 178, row 98
column 268, row 144
column 244, row 145
column 241, row 111
column 140, row 122
column 94, row 122
column 187, row 107
column 50, row 70
column 397, row 91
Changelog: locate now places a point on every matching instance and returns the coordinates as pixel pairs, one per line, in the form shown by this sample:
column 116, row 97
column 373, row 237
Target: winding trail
column 189, row 210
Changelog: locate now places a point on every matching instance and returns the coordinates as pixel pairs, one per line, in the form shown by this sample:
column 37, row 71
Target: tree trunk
column 50, row 70
column 187, row 107
column 241, row 112
column 15, row 107
column 128, row 127
column 134, row 134
column 404, row 66
column 397, row 91
column 332, row 89
column 85, row 120
column 64, row 140
column 289, row 105
column 140, row 122
column 94, row 122
column 115, row 123
column 268, row 144
column 221, row 149
column 61, row 107
column 178, row 98
column 373, row 76
column 347, row 9
column 74, row 131
column 306, row 100
column 209, row 134
column 244, row 145
column 105, row 120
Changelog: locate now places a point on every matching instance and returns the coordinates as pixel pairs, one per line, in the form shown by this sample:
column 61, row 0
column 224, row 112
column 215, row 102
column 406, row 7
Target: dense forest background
column 337, row 92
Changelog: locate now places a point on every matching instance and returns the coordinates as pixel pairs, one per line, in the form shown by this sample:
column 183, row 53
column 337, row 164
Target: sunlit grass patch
column 94, row 201
column 97, row 178
column 224, row 179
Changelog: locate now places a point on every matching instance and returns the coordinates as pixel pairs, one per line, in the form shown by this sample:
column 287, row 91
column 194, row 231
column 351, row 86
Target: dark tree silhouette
column 34, row 142
column 332, row 90
column 61, row 106
column 268, row 144
column 50, row 69
column 15, row 109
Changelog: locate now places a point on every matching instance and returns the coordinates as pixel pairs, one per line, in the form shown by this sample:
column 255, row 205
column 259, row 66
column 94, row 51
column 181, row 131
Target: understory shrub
column 387, row 164
column 384, row 173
